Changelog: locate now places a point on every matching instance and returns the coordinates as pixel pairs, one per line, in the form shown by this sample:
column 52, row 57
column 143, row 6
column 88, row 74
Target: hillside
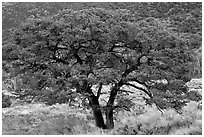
column 183, row 17
column 104, row 68
column 62, row 119
column 177, row 13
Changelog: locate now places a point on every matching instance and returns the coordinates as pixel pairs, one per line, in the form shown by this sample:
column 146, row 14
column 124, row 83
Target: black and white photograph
column 101, row 67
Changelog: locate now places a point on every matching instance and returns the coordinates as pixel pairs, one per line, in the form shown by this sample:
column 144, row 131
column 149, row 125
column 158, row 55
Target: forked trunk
column 93, row 100
column 97, row 112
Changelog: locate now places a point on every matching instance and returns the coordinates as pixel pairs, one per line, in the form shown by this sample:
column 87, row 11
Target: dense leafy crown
column 95, row 45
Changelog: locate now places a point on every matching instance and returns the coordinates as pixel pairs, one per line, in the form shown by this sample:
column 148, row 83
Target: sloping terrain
column 140, row 119
column 39, row 119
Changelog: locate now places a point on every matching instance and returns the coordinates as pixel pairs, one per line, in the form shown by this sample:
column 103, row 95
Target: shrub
column 62, row 120
column 6, row 101
column 153, row 122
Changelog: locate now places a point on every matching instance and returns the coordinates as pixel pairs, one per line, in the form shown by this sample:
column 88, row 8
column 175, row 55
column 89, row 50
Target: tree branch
column 136, row 80
column 99, row 90
column 79, row 60
column 133, row 67
column 144, row 90
column 113, row 92
column 147, row 92
column 126, row 91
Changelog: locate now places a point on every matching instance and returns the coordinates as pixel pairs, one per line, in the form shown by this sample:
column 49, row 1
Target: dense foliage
column 53, row 58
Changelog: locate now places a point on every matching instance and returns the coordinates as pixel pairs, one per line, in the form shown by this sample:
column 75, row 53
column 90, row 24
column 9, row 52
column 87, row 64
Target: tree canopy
column 79, row 49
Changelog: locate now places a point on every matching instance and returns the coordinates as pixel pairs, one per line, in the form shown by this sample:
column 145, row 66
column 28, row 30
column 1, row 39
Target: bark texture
column 93, row 100
column 109, row 118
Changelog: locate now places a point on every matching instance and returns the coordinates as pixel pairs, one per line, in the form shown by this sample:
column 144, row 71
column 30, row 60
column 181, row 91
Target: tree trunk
column 109, row 118
column 109, row 107
column 94, row 103
column 93, row 100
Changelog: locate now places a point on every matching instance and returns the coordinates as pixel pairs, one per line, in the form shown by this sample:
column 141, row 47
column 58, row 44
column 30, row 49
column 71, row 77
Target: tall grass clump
column 152, row 122
column 61, row 120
